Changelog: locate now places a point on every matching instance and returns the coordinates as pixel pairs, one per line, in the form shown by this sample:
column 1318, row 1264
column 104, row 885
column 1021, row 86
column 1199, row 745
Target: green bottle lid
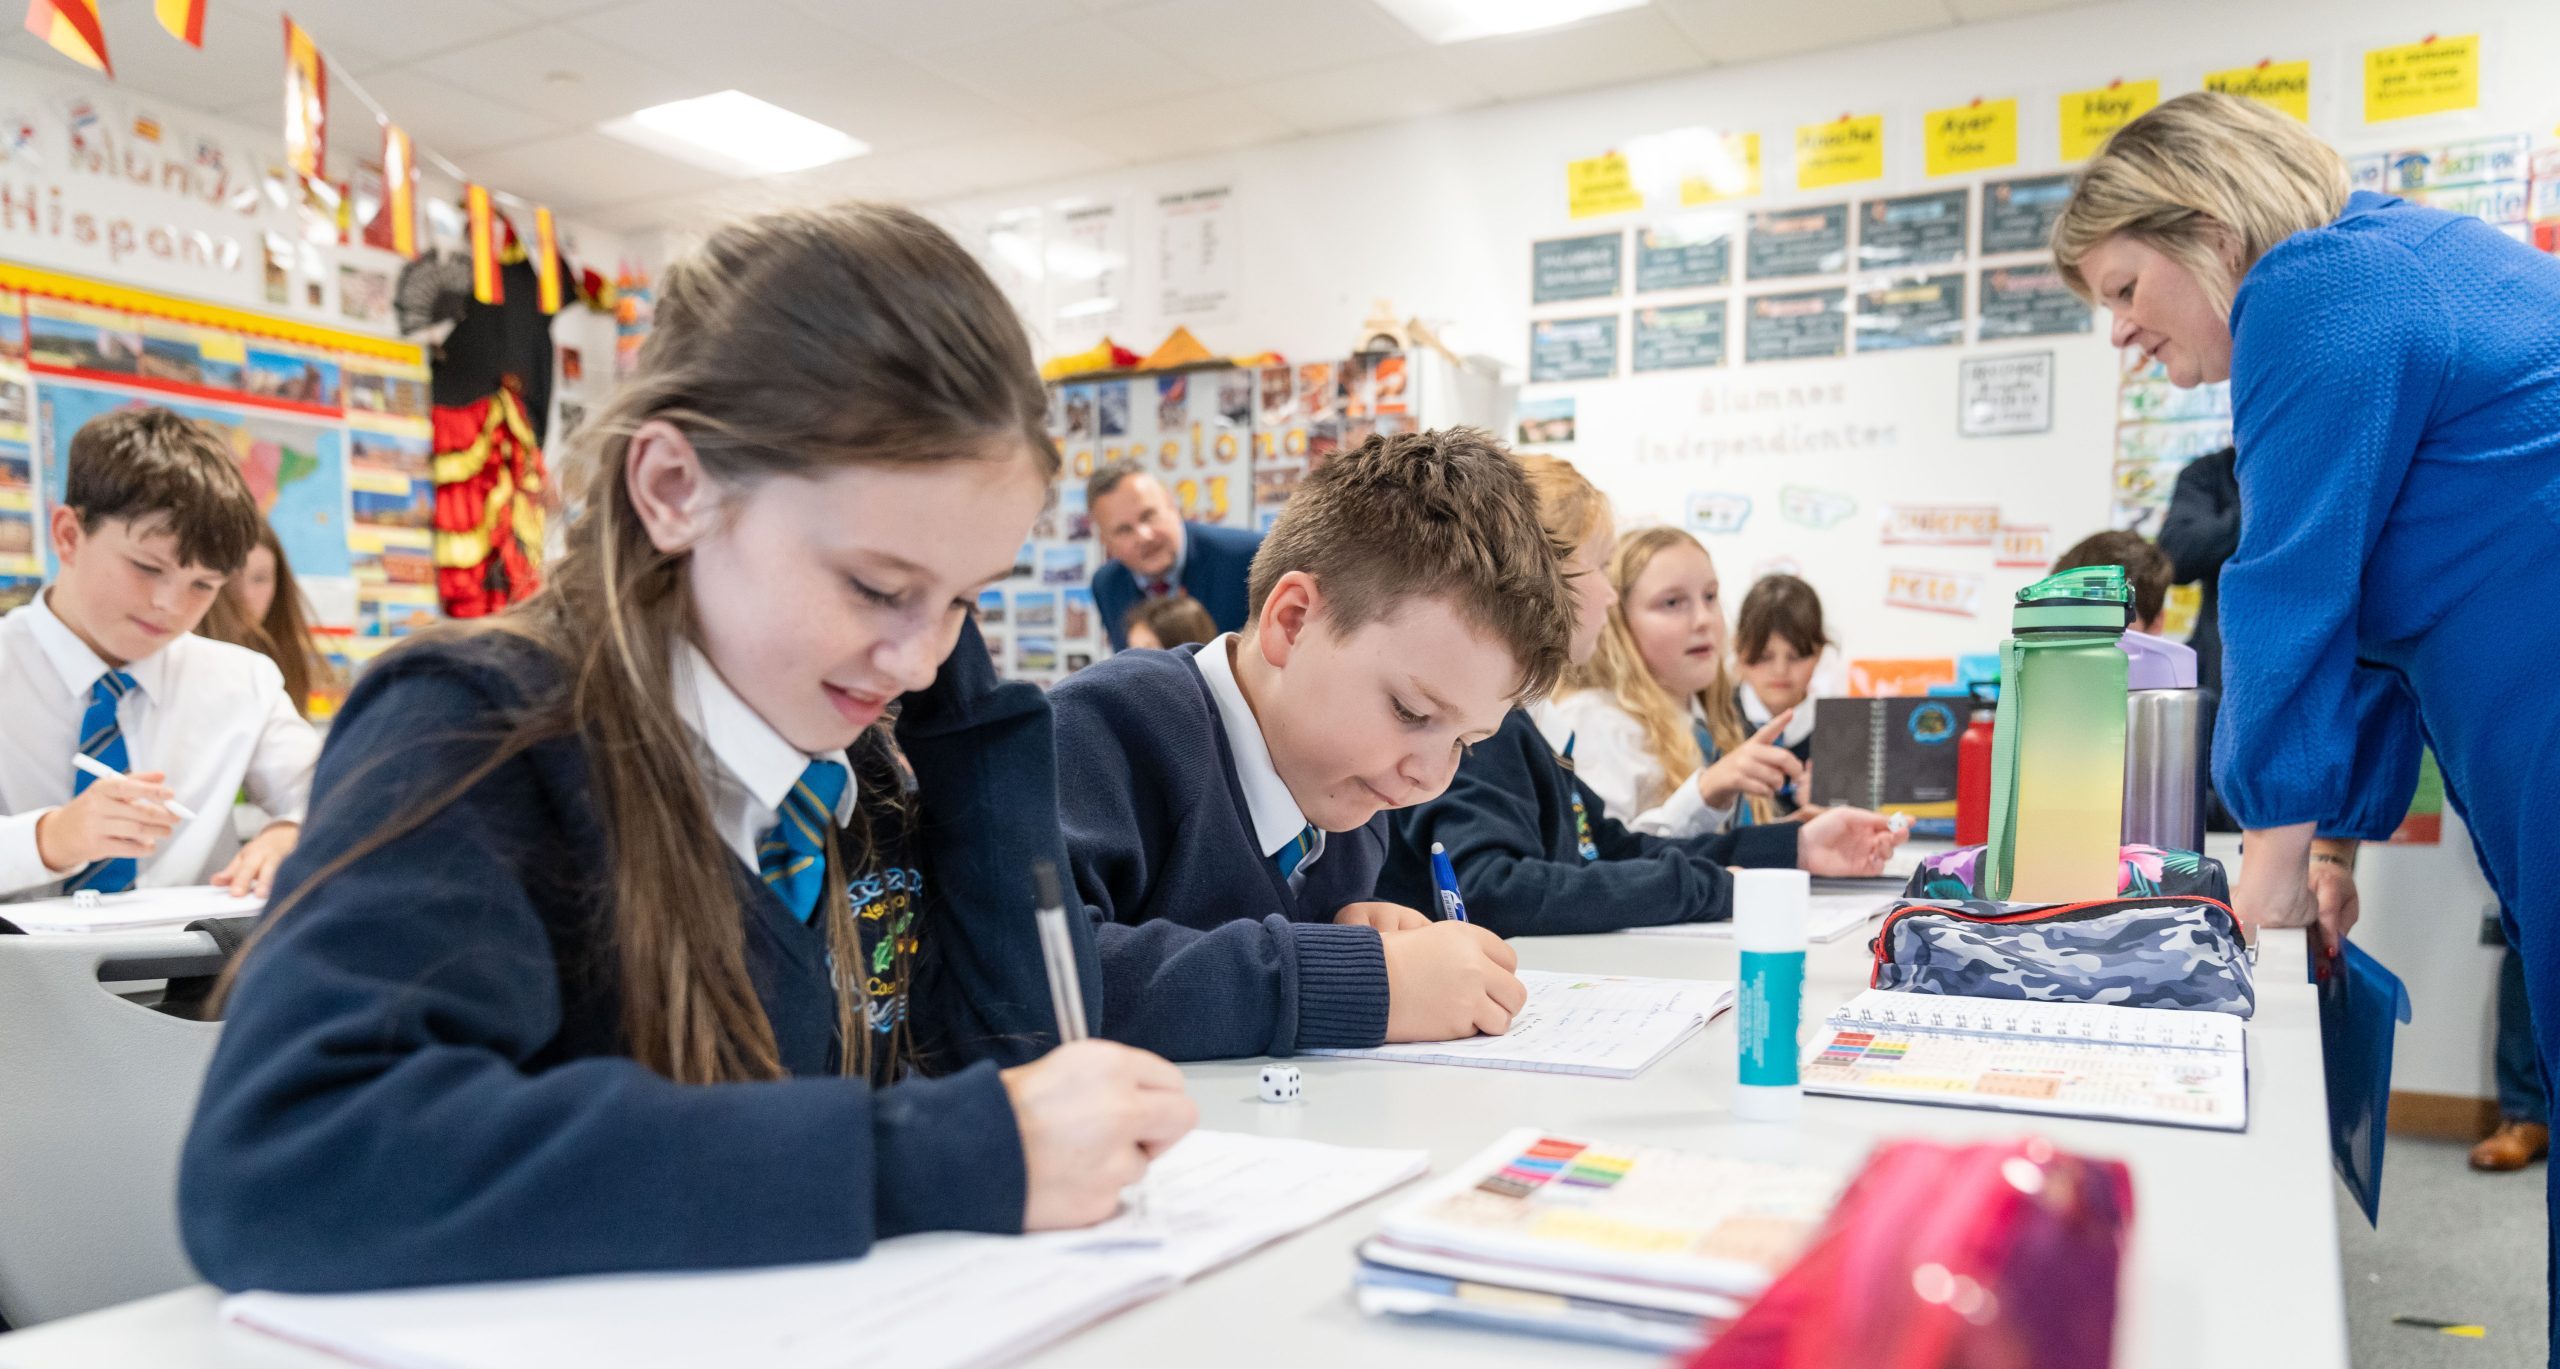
column 2090, row 599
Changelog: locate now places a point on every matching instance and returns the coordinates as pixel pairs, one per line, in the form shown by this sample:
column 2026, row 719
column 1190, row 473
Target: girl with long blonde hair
column 1658, row 731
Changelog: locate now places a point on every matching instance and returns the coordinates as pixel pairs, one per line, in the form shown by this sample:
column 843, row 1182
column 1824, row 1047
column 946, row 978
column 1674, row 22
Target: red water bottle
column 1973, row 776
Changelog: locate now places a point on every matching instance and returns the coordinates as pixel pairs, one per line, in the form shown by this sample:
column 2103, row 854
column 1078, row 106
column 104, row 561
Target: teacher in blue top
column 1154, row 553
column 2395, row 393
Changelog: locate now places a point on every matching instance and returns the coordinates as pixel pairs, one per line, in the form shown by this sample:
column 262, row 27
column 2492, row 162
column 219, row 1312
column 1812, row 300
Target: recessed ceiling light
column 1456, row 21
column 737, row 133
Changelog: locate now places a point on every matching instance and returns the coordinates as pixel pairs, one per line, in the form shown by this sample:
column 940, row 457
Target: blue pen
column 1444, row 877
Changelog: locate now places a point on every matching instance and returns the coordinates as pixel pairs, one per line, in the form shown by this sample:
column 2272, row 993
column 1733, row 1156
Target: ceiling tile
column 242, row 57
column 1367, row 93
column 1729, row 31
column 582, row 168
column 907, row 26
column 1062, row 70
column 1016, row 159
column 731, row 43
column 382, row 35
column 558, row 74
column 1633, row 46
column 452, row 120
column 560, row 9
column 1986, row 11
column 1179, row 127
column 1262, row 40
column 891, row 104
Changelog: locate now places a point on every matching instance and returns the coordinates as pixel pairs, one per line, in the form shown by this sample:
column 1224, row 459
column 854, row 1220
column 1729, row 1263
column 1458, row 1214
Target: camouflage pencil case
column 2162, row 952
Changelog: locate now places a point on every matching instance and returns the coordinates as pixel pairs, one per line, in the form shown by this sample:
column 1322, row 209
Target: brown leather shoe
column 2512, row 1146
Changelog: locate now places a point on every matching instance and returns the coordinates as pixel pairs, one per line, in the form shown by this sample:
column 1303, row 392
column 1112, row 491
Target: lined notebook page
column 1609, row 1025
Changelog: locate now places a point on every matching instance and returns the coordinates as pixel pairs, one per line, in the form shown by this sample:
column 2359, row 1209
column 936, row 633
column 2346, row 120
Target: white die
column 86, row 898
column 1279, row 1083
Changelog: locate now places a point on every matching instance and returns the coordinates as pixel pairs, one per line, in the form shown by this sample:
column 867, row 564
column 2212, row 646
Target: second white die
column 1280, row 1083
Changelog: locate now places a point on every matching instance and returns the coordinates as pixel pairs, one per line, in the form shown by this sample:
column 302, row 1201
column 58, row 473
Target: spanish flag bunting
column 400, row 193
column 71, row 26
column 486, row 287
column 184, row 19
column 546, row 258
column 306, row 102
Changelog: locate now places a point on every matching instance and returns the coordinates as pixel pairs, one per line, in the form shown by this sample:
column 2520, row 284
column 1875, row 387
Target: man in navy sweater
column 1154, row 553
column 1222, row 802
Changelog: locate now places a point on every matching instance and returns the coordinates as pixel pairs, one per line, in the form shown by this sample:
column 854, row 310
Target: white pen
column 107, row 772
column 1066, row 986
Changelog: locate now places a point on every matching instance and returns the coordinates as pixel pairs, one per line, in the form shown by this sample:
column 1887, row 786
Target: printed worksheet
column 1611, row 1025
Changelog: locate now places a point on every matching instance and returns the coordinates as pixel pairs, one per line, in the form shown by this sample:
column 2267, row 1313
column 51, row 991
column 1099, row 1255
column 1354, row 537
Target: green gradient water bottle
column 2057, row 758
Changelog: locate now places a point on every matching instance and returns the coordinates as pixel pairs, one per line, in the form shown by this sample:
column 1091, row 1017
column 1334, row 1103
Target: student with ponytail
column 630, row 932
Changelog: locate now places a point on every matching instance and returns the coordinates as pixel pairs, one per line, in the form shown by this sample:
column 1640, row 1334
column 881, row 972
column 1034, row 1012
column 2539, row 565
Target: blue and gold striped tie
column 793, row 856
column 102, row 740
column 1293, row 855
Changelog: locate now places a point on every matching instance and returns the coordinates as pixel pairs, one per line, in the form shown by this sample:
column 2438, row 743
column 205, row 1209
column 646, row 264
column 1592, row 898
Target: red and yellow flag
column 71, row 26
column 486, row 287
column 400, row 190
column 306, row 102
column 546, row 259
column 184, row 19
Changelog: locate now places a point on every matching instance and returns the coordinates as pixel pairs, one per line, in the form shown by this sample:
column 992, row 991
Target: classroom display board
column 1229, row 443
column 330, row 429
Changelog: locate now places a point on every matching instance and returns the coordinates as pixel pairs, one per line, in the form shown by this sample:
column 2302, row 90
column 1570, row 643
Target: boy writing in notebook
column 103, row 666
column 1222, row 802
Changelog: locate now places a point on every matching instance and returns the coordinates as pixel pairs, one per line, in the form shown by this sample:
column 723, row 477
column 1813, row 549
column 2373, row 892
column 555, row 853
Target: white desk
column 2235, row 1245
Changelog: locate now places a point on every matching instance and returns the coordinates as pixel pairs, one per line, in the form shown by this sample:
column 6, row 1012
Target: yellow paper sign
column 1600, row 185
column 1841, row 151
column 1974, row 137
column 2090, row 117
column 2284, row 86
column 1737, row 176
column 2422, row 78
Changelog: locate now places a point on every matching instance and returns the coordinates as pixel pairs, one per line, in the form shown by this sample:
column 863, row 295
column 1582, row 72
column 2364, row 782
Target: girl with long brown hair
column 630, row 932
column 261, row 608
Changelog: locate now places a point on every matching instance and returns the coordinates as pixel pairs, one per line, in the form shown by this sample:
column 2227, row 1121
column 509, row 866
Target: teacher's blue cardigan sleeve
column 2340, row 348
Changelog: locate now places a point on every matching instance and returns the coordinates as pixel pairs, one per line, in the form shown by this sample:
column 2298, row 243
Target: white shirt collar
column 753, row 758
column 79, row 666
column 1757, row 715
column 1277, row 819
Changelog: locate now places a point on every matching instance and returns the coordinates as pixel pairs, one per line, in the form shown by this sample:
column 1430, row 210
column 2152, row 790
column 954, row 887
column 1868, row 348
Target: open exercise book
column 1633, row 1245
column 1579, row 1024
column 2171, row 1066
column 141, row 910
column 933, row 1301
column 1829, row 916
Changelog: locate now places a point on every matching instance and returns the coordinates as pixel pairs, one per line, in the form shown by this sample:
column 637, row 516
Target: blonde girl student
column 1654, row 716
column 261, row 608
column 1537, row 850
column 629, row 932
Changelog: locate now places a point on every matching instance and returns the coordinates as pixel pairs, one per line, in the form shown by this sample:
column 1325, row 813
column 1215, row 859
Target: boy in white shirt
column 154, row 518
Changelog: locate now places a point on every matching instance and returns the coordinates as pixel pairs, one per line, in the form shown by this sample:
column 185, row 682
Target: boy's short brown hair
column 2147, row 568
column 1443, row 514
column 150, row 465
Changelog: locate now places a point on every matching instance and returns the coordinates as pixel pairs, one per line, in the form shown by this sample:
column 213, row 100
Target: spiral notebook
column 2157, row 1065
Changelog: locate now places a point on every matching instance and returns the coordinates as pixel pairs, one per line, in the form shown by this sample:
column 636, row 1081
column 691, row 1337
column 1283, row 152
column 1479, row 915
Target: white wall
column 1438, row 215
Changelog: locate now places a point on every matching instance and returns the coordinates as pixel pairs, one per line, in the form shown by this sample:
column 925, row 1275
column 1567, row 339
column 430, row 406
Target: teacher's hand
column 2275, row 888
column 2333, row 890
